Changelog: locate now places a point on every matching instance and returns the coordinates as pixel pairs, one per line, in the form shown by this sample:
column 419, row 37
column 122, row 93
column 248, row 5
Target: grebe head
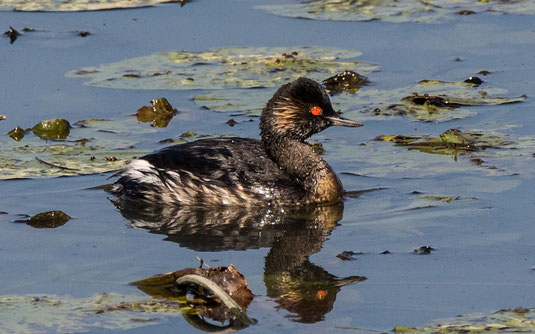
column 298, row 110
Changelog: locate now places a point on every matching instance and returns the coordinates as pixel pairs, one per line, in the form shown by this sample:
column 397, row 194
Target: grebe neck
column 298, row 159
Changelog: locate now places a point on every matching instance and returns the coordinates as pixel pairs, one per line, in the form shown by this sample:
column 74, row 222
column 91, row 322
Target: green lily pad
column 238, row 67
column 74, row 5
column 160, row 113
column 56, row 128
column 49, row 219
column 396, row 11
column 518, row 320
column 95, row 146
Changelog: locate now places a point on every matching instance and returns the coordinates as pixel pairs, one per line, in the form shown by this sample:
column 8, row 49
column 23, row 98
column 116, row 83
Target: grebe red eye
column 316, row 111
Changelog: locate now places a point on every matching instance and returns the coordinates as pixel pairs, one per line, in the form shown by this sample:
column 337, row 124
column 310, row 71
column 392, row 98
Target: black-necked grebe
column 280, row 169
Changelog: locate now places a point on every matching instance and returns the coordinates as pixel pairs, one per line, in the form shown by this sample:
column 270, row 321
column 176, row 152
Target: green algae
column 233, row 67
column 74, row 5
column 418, row 11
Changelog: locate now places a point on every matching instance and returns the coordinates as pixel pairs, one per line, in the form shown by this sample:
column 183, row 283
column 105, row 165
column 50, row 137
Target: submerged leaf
column 49, row 219
column 238, row 67
column 395, row 11
column 56, row 128
column 74, row 5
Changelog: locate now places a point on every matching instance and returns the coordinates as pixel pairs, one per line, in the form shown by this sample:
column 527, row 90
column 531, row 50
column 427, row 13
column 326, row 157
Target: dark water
column 484, row 247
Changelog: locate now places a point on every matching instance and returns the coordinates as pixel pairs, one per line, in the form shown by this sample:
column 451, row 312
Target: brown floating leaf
column 49, row 219
column 348, row 255
column 347, row 81
column 228, row 278
column 160, row 113
column 423, row 250
column 17, row 133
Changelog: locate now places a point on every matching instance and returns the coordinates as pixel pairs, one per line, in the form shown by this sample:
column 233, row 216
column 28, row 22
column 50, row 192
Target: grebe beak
column 340, row 121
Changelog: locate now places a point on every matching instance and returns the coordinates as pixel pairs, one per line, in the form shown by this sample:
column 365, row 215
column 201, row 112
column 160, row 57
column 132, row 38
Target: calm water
column 484, row 247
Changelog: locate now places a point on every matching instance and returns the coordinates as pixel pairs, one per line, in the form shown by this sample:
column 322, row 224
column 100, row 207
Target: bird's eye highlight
column 316, row 111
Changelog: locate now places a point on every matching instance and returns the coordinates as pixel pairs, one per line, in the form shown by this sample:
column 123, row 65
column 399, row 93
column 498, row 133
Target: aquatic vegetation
column 451, row 142
column 94, row 146
column 56, row 128
column 236, row 67
column 66, row 314
column 17, row 133
column 160, row 113
column 75, row 5
column 517, row 320
column 49, row 219
column 347, row 81
column 396, row 11
column 435, row 100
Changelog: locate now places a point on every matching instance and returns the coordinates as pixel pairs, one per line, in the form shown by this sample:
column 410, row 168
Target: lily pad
column 395, row 11
column 74, row 5
column 430, row 100
column 49, row 219
column 94, row 146
column 451, row 142
column 237, row 67
column 518, row 320
column 160, row 113
column 66, row 314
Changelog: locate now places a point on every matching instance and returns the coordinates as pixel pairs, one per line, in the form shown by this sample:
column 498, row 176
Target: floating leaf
column 66, row 314
column 74, row 5
column 347, row 81
column 238, row 67
column 17, row 133
column 491, row 152
column 56, row 128
column 518, row 320
column 160, row 113
column 451, row 142
column 85, row 153
column 49, row 219
column 396, row 11
column 430, row 100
